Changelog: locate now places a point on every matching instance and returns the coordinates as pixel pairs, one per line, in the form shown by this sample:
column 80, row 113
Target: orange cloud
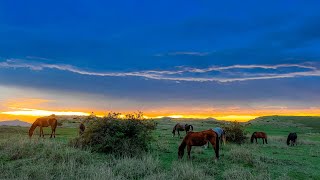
column 25, row 102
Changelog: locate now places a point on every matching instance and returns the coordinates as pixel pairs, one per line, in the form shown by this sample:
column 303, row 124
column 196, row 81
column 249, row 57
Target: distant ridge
column 14, row 123
column 308, row 121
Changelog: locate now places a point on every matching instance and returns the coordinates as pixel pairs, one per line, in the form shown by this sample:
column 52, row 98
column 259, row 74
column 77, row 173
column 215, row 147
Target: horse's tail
column 191, row 127
column 217, row 146
column 55, row 124
column 252, row 137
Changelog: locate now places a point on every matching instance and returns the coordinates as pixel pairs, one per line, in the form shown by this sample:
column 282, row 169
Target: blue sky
column 148, row 55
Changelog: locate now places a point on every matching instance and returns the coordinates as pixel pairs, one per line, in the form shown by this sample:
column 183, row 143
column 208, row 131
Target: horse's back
column 47, row 121
column 199, row 138
column 179, row 126
column 293, row 135
column 260, row 134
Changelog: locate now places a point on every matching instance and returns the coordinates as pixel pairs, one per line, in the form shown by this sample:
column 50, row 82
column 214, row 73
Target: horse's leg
column 54, row 133
column 51, row 132
column 256, row 140
column 266, row 141
column 262, row 140
column 41, row 131
column 214, row 144
column 178, row 133
column 189, row 151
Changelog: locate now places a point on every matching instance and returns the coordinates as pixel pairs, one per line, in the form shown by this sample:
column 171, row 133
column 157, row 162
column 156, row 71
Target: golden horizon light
column 30, row 114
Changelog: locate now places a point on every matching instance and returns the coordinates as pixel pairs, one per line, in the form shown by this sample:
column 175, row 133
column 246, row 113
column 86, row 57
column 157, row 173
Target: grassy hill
column 307, row 121
column 55, row 159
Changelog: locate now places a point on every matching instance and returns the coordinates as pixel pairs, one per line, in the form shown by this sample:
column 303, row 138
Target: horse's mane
column 33, row 127
column 252, row 136
column 182, row 146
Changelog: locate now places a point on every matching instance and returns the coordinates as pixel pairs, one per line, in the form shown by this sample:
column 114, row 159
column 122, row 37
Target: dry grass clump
column 241, row 154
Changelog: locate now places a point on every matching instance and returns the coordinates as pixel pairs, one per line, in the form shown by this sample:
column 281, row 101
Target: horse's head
column 180, row 153
column 253, row 136
column 30, row 133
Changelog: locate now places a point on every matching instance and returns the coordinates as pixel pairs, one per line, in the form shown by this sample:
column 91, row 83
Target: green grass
column 22, row 158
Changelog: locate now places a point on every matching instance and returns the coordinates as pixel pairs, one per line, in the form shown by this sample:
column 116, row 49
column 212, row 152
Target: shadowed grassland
column 22, row 158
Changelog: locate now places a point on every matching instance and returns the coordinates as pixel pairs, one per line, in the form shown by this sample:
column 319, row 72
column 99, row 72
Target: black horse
column 293, row 138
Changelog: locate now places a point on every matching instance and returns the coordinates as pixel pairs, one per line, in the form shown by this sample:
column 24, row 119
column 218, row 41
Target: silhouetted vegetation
column 130, row 135
column 235, row 132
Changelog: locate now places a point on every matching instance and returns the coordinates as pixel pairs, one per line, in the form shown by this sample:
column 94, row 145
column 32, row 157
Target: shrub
column 235, row 132
column 111, row 134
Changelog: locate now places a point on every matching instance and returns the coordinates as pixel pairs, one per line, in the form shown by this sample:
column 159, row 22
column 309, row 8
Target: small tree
column 235, row 132
column 121, row 136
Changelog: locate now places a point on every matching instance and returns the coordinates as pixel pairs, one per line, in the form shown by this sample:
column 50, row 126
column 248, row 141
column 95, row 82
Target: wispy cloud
column 187, row 73
column 184, row 53
column 37, row 58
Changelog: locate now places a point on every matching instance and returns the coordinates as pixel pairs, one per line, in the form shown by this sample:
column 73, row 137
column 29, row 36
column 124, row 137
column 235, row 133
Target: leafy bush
column 235, row 132
column 112, row 134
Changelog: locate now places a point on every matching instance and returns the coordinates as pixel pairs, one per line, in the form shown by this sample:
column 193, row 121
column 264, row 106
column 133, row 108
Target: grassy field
column 21, row 158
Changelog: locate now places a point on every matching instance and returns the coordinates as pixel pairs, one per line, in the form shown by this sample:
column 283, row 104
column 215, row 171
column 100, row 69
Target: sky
column 232, row 60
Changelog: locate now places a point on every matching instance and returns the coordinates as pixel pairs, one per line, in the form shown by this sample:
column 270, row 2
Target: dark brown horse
column 257, row 135
column 81, row 129
column 199, row 139
column 292, row 137
column 179, row 127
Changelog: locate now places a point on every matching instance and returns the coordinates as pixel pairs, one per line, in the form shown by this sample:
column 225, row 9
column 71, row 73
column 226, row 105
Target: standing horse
column 199, row 139
column 44, row 122
column 293, row 138
column 257, row 135
column 179, row 127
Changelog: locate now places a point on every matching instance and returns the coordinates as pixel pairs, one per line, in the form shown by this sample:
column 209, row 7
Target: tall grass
column 22, row 158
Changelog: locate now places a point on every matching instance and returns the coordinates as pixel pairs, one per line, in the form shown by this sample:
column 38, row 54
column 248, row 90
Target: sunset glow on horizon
column 29, row 115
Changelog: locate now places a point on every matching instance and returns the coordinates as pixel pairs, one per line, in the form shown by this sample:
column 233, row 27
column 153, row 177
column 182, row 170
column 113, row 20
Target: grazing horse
column 293, row 138
column 261, row 135
column 44, row 122
column 179, row 127
column 81, row 129
column 199, row 139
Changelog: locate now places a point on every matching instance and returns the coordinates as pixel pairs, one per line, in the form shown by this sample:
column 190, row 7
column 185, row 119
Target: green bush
column 235, row 132
column 121, row 136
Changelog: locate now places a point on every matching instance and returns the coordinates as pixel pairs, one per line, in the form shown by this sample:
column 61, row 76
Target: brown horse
column 179, row 127
column 44, row 122
column 81, row 129
column 257, row 135
column 199, row 139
